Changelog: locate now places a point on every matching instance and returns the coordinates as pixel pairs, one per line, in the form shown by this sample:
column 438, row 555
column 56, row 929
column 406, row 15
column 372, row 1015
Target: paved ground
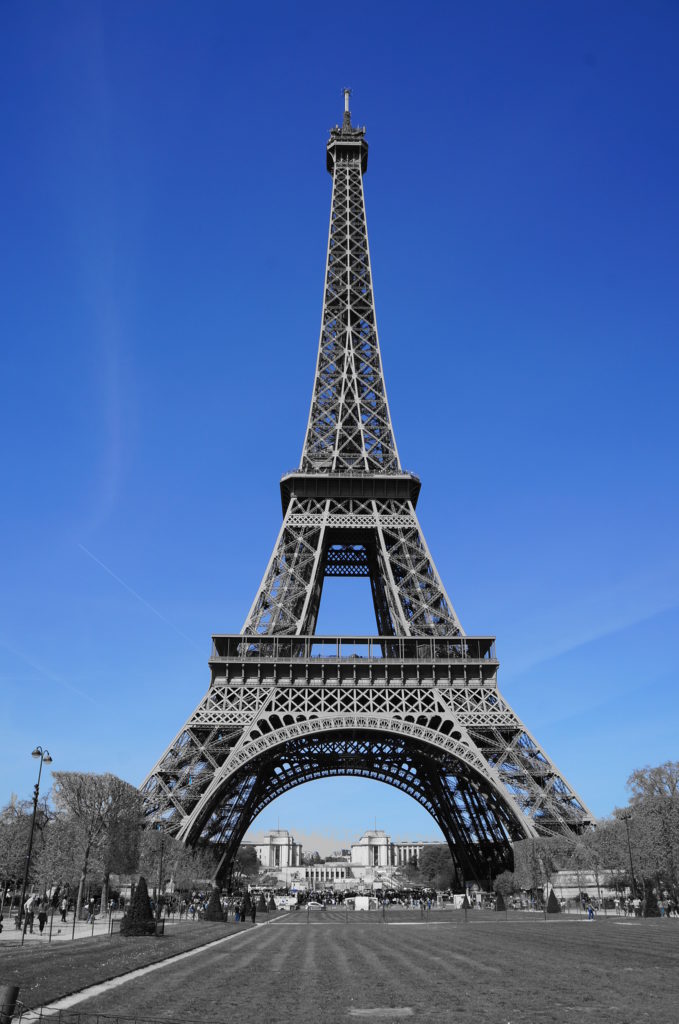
column 63, row 932
column 60, row 931
column 615, row 971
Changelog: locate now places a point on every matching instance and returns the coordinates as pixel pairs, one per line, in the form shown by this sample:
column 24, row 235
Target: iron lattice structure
column 418, row 706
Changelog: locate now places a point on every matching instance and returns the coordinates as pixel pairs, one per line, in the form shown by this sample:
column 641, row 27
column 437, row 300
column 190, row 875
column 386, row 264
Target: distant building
column 278, row 851
column 375, row 849
column 373, row 862
column 568, row 883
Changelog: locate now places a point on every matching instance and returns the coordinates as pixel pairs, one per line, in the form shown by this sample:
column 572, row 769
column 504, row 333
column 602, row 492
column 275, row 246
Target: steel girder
column 349, row 428
column 479, row 772
column 435, row 727
column 408, row 594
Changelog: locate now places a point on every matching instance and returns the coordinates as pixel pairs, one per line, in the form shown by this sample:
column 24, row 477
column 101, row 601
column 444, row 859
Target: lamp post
column 45, row 758
column 160, row 876
column 626, row 815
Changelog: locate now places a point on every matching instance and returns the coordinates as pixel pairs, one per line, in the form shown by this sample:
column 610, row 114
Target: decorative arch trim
column 248, row 749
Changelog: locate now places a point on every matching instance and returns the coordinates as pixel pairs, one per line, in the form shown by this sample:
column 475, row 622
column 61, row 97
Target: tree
column 214, row 910
column 15, row 827
column 505, row 883
column 163, row 859
column 56, row 864
column 93, row 805
column 596, row 850
column 605, row 849
column 553, row 905
column 119, row 851
column 500, row 901
column 139, row 920
column 661, row 782
column 654, row 823
column 528, row 870
column 536, row 860
column 245, row 864
column 649, row 906
column 437, row 868
column 412, row 871
column 261, row 904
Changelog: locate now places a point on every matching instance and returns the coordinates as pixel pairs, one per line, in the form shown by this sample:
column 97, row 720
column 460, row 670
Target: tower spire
column 346, row 123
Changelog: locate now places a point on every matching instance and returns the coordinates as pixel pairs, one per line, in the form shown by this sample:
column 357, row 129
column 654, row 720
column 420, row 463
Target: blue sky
column 164, row 222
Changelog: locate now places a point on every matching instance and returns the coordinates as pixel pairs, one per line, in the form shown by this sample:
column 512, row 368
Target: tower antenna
column 346, row 121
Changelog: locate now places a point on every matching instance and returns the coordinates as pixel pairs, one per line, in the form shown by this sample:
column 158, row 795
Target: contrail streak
column 47, row 673
column 143, row 600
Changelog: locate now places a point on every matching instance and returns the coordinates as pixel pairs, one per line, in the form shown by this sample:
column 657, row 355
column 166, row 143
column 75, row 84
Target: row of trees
column 91, row 829
column 638, row 846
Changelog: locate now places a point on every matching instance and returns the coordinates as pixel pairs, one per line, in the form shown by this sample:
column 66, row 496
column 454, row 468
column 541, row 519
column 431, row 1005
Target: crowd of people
column 633, row 907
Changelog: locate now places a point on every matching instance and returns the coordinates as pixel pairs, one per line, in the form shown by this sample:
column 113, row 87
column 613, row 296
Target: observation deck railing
column 252, row 646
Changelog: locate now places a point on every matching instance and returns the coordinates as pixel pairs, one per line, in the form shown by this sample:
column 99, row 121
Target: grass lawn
column 45, row 973
column 608, row 971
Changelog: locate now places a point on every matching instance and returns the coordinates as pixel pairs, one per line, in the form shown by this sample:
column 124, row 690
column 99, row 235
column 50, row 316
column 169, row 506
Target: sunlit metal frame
column 418, row 706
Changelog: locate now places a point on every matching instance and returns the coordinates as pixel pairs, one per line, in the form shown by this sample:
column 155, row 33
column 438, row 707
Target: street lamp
column 160, row 876
column 626, row 815
column 45, row 758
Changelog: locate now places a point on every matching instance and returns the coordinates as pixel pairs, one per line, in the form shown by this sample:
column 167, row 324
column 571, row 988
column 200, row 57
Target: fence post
column 8, row 1000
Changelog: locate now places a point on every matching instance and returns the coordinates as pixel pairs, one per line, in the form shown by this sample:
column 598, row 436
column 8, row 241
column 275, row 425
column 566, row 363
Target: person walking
column 42, row 919
column 253, row 911
column 29, row 912
column 63, row 907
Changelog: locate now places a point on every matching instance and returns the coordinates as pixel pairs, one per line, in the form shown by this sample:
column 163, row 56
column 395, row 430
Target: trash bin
column 160, row 928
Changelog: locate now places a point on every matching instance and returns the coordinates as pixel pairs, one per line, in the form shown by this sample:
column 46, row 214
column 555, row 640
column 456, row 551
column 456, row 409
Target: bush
column 553, row 905
column 505, row 883
column 649, row 906
column 139, row 920
column 500, row 902
column 261, row 904
column 466, row 905
column 272, row 905
column 214, row 910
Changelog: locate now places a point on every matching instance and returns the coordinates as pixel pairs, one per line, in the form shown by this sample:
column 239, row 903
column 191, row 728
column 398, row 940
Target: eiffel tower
column 417, row 706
